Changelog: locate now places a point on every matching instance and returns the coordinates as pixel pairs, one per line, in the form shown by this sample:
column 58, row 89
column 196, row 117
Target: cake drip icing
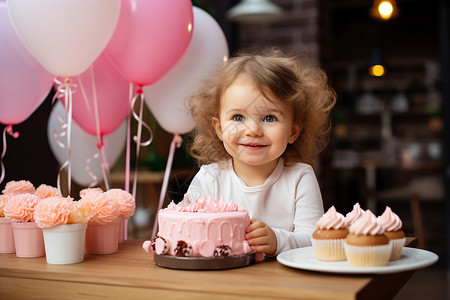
column 331, row 220
column 205, row 205
column 367, row 225
column 354, row 215
column 390, row 220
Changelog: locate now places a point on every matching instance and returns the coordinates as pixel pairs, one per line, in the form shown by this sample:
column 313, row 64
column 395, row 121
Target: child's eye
column 238, row 118
column 269, row 118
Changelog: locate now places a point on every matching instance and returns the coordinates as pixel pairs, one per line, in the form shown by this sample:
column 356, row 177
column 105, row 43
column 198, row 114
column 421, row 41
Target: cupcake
column 393, row 230
column 366, row 244
column 354, row 215
column 329, row 237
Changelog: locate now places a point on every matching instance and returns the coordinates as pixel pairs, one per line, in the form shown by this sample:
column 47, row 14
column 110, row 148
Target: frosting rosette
column 205, row 205
column 52, row 211
column 19, row 187
column 354, row 215
column 367, row 225
column 331, row 220
column 20, row 208
column 390, row 220
column 126, row 201
column 44, row 191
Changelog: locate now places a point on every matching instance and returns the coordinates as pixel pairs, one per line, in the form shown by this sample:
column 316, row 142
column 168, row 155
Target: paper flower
column 18, row 187
column 20, row 208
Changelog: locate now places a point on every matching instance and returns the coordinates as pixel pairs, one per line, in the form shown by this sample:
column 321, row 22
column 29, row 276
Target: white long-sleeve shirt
column 289, row 201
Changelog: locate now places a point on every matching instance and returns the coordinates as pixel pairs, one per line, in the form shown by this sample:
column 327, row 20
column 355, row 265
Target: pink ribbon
column 137, row 138
column 8, row 130
column 65, row 90
column 176, row 142
column 100, row 144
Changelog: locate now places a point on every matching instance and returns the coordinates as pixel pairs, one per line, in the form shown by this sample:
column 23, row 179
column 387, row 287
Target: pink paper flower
column 52, row 211
column 45, row 191
column 20, row 208
column 3, row 199
column 19, row 187
column 126, row 201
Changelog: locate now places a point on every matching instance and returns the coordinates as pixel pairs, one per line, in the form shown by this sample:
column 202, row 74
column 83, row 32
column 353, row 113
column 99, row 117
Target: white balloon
column 84, row 147
column 64, row 36
column 166, row 98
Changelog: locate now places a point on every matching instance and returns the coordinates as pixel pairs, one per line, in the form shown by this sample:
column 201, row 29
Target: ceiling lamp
column 384, row 10
column 255, row 11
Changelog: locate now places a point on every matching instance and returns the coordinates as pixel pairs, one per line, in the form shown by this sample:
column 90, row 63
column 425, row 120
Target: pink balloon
column 112, row 98
column 24, row 83
column 150, row 38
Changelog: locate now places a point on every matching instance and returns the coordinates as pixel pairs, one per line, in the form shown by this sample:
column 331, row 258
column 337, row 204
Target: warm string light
column 384, row 10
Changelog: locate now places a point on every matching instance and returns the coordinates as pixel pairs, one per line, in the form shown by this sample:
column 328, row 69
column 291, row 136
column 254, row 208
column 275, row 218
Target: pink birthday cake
column 205, row 228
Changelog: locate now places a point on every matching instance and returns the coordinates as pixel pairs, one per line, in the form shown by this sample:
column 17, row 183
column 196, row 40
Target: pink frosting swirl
column 52, row 211
column 354, row 215
column 205, row 205
column 367, row 225
column 19, row 187
column 126, row 201
column 331, row 220
column 20, row 208
column 45, row 191
column 390, row 220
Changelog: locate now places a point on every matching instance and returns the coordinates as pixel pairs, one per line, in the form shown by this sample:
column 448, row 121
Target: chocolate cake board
column 203, row 263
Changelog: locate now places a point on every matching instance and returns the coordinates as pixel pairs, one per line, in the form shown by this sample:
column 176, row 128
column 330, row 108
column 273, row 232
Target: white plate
column 304, row 258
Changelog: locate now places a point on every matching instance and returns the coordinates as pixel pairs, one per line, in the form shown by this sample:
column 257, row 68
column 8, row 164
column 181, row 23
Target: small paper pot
column 6, row 236
column 329, row 250
column 368, row 256
column 64, row 244
column 397, row 247
column 28, row 240
column 102, row 239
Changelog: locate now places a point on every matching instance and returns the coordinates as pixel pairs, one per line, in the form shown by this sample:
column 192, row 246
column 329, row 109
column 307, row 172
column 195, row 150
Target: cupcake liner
column 329, row 250
column 397, row 247
column 368, row 256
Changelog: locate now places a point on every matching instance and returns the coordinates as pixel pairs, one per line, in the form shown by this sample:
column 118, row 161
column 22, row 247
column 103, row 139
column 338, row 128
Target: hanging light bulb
column 376, row 67
column 255, row 11
column 384, row 9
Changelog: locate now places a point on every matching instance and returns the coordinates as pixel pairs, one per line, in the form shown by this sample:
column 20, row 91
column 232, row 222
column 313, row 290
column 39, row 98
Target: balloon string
column 88, row 170
column 83, row 92
column 137, row 138
column 8, row 130
column 100, row 144
column 128, row 150
column 127, row 159
column 176, row 142
column 65, row 90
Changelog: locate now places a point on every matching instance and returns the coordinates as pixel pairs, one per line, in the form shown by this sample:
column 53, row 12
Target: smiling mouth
column 253, row 146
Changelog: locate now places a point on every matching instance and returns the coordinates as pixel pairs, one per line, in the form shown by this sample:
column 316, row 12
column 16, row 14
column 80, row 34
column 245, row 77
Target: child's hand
column 261, row 237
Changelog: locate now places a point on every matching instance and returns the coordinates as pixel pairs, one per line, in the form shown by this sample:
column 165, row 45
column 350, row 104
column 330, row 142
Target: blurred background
column 390, row 70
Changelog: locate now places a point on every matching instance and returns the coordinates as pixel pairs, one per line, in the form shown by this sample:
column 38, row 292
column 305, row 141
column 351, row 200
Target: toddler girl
column 260, row 124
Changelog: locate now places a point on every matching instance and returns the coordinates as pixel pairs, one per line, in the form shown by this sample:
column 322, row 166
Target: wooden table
column 131, row 274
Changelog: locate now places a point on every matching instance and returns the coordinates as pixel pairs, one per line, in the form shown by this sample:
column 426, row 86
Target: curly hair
column 278, row 77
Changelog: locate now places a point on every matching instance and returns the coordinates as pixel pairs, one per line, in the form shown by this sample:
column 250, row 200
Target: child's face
column 254, row 130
